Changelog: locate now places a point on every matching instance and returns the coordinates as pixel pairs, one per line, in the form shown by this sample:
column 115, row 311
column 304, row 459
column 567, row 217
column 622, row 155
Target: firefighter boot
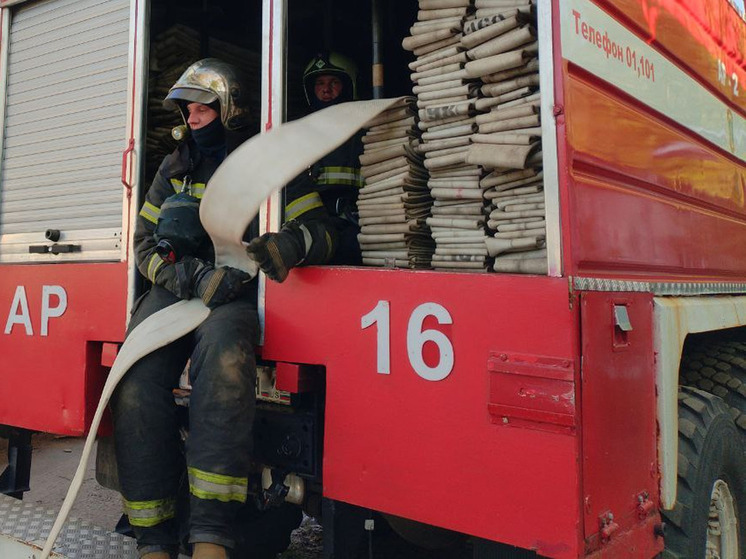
column 204, row 550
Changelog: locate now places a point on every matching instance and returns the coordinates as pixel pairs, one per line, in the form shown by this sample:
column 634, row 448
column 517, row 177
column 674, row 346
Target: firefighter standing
column 327, row 193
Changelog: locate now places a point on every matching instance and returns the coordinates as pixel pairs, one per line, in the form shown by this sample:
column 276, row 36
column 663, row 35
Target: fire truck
column 596, row 410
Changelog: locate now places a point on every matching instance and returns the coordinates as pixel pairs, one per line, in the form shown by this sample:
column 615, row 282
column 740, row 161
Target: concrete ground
column 53, row 464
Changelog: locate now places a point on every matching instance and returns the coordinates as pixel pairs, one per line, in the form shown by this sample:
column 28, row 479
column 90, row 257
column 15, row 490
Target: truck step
column 24, row 528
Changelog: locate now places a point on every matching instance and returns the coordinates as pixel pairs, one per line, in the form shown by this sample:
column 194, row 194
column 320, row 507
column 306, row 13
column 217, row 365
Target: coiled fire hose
column 234, row 194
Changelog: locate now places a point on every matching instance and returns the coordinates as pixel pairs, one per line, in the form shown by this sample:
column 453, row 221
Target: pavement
column 53, row 463
column 96, row 510
column 87, row 534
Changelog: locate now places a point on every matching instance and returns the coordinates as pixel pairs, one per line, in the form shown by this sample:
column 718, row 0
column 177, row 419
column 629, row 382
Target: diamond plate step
column 22, row 524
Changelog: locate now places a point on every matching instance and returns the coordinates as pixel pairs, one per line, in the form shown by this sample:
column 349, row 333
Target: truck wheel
column 707, row 520
column 720, row 369
column 264, row 534
column 424, row 535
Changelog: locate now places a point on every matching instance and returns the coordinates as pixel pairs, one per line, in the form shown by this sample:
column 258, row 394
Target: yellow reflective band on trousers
column 206, row 485
column 304, row 204
column 341, row 175
column 150, row 513
column 150, row 212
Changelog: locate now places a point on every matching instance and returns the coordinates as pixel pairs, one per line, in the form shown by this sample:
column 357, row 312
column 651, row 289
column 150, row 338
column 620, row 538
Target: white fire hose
column 260, row 166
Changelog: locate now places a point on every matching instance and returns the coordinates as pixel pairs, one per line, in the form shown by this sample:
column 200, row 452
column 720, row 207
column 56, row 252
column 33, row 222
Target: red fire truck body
column 535, row 411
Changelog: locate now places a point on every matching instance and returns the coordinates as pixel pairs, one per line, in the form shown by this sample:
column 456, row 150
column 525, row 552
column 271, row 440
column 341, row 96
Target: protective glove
column 181, row 279
column 277, row 253
column 217, row 286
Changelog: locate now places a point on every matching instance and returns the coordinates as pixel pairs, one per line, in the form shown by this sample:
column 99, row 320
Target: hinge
column 607, row 526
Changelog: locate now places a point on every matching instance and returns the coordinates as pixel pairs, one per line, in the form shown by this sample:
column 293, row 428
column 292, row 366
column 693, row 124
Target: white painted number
column 380, row 317
column 416, row 339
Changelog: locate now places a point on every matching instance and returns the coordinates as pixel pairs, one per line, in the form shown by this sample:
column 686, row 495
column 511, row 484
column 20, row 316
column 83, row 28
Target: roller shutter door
column 64, row 129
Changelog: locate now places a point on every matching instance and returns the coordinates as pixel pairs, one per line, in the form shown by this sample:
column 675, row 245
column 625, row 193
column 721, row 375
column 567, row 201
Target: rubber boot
column 204, row 550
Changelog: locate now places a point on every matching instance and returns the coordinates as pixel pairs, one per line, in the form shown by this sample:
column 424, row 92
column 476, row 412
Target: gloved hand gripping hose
column 230, row 203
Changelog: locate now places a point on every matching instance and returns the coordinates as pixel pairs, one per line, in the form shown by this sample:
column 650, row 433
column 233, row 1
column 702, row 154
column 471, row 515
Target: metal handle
column 53, row 249
column 127, row 152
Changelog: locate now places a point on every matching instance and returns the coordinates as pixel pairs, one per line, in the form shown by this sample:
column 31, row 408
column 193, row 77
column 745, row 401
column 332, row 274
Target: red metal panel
column 51, row 382
column 429, row 450
column 620, row 471
column 535, row 392
column 698, row 35
column 637, row 177
column 295, row 378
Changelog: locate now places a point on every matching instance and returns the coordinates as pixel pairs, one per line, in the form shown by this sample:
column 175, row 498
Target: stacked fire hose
column 395, row 201
column 477, row 85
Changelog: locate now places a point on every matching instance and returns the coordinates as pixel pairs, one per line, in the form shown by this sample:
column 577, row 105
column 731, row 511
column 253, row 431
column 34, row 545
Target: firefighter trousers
column 151, row 458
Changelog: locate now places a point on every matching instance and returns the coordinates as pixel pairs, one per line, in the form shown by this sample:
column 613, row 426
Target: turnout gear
column 188, row 271
column 210, row 80
column 221, row 413
column 152, row 463
column 333, row 64
column 179, row 231
column 186, row 169
column 296, row 243
column 218, row 286
column 328, row 192
column 325, row 195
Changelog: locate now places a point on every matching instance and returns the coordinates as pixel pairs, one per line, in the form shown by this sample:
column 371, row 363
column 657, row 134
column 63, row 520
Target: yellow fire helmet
column 207, row 81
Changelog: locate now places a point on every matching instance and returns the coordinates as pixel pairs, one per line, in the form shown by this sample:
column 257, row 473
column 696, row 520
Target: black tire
column 720, row 369
column 710, row 453
column 423, row 535
column 403, row 539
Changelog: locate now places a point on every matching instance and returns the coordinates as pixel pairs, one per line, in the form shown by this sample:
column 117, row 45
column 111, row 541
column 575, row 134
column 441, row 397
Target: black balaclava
column 344, row 95
column 210, row 140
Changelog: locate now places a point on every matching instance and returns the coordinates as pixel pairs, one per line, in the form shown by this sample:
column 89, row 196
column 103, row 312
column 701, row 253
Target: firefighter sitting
column 174, row 252
column 325, row 195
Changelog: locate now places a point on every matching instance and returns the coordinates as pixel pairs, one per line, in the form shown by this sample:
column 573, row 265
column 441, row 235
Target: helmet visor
column 189, row 95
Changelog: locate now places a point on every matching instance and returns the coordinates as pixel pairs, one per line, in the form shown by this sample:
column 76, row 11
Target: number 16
column 416, row 339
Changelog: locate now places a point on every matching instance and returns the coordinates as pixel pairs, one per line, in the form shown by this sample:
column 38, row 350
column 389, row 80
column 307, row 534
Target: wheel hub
column 722, row 525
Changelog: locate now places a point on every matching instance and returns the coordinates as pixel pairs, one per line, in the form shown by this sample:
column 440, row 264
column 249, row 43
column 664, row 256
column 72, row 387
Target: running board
column 24, row 528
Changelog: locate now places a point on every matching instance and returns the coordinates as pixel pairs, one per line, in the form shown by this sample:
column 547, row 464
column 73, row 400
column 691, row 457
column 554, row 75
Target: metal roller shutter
column 64, row 129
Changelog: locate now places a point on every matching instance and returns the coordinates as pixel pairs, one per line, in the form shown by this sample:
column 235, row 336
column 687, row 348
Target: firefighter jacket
column 183, row 170
column 186, row 169
column 328, row 192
